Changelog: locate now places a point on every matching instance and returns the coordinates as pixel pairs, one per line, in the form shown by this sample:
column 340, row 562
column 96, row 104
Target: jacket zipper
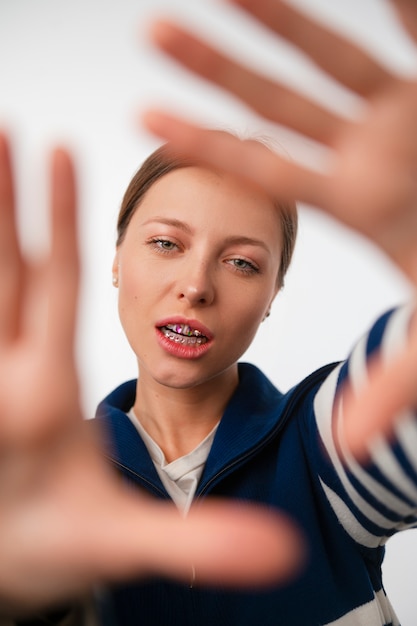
column 142, row 480
column 297, row 397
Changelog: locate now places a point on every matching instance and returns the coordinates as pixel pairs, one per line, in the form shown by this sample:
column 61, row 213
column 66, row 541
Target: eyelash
column 157, row 243
column 250, row 268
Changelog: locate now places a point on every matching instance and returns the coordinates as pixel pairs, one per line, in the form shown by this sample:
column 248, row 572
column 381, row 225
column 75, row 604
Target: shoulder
column 121, row 398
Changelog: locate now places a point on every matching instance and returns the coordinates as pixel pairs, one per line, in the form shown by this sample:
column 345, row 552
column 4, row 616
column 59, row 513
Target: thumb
column 217, row 543
column 390, row 392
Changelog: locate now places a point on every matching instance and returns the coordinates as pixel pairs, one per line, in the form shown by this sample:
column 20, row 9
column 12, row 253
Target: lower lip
column 181, row 350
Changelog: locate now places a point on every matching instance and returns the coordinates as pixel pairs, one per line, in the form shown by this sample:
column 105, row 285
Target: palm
column 65, row 521
column 370, row 183
column 33, row 391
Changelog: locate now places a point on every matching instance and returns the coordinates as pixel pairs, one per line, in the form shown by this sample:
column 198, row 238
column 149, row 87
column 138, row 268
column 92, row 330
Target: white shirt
column 180, row 477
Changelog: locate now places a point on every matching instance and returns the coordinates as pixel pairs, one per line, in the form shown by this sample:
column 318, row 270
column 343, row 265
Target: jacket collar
column 123, row 443
column 250, row 417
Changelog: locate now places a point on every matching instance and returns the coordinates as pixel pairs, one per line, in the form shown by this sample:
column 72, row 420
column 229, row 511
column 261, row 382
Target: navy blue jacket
column 278, row 449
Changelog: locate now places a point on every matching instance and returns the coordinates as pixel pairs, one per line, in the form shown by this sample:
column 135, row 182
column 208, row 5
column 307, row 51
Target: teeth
column 184, row 329
column 191, row 338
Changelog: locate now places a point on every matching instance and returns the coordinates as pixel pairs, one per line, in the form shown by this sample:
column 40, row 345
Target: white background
column 78, row 72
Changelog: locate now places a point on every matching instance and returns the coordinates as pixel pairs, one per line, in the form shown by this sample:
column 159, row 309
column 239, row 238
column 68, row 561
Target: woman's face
column 197, row 272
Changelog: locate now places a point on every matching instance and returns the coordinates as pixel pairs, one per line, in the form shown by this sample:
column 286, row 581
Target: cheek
column 240, row 328
column 249, row 327
column 253, row 299
column 246, row 311
column 133, row 289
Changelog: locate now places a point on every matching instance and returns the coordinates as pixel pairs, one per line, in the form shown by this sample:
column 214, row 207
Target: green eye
column 163, row 245
column 243, row 266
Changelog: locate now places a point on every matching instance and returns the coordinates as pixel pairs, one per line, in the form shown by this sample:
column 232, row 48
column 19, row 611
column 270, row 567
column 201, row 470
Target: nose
column 196, row 284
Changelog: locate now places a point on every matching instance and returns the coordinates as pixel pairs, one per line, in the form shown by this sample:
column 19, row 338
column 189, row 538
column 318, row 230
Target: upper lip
column 194, row 324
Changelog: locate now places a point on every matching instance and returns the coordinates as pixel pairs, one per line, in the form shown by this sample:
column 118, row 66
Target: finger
column 232, row 544
column 390, row 392
column 337, row 56
column 11, row 263
column 407, row 10
column 63, row 268
column 271, row 100
column 250, row 160
column 220, row 544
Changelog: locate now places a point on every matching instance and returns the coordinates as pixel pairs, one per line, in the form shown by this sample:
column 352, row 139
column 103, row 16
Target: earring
column 115, row 281
column 267, row 314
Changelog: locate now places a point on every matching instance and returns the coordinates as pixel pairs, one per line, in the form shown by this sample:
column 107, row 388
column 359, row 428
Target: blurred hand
column 66, row 522
column 370, row 183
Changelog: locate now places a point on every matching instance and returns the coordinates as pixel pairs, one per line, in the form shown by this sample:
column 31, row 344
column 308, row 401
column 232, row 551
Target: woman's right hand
column 370, row 179
column 66, row 521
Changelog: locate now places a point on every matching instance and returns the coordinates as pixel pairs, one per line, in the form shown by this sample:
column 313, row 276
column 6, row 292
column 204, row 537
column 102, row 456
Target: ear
column 268, row 311
column 115, row 270
column 277, row 289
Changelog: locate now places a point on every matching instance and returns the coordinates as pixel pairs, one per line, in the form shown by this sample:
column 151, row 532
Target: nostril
column 201, row 300
column 196, row 295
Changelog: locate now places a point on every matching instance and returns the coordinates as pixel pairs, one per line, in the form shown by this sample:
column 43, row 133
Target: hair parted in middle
column 164, row 160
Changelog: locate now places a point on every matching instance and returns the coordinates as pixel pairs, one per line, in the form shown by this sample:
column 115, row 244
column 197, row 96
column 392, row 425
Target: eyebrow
column 232, row 240
column 246, row 241
column 170, row 221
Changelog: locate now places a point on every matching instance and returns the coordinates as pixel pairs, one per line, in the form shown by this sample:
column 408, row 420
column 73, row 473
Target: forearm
column 377, row 496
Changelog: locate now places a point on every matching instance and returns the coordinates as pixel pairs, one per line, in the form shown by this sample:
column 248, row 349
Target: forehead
column 208, row 199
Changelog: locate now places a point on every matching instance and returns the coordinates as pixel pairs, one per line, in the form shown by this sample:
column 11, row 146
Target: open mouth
column 184, row 334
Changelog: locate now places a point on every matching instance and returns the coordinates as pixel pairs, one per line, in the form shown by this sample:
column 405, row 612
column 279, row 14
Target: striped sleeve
column 375, row 500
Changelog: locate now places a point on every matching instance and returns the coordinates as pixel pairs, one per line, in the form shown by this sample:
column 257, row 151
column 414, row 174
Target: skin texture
column 202, row 248
column 370, row 181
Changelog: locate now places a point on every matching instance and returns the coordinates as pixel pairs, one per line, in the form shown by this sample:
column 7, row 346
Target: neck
column 179, row 419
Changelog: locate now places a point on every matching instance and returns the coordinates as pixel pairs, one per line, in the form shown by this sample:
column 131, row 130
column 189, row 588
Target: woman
column 199, row 261
column 286, row 451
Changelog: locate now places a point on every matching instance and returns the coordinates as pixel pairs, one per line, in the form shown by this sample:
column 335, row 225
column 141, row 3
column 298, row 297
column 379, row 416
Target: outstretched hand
column 66, row 522
column 370, row 183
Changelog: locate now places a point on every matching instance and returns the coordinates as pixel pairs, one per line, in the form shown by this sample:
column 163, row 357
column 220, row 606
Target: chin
column 178, row 380
column 191, row 376
column 173, row 375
